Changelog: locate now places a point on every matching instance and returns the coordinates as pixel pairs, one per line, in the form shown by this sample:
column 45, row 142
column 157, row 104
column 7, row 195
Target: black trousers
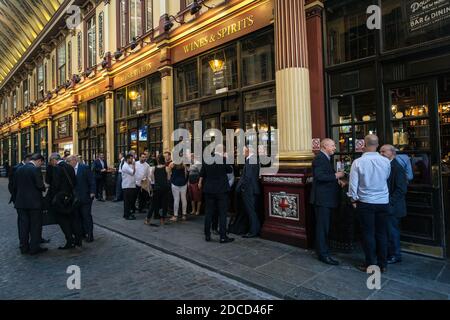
column 71, row 226
column 216, row 203
column 129, row 199
column 374, row 225
column 29, row 224
column 250, row 205
column 160, row 200
column 323, row 216
column 142, row 197
column 100, row 185
column 84, row 213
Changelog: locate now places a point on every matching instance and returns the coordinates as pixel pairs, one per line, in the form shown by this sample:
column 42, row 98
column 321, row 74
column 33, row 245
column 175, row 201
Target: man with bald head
column 398, row 186
column 369, row 193
column 324, row 197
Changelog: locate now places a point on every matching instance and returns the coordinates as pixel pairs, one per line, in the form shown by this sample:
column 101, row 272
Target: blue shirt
column 368, row 179
column 405, row 162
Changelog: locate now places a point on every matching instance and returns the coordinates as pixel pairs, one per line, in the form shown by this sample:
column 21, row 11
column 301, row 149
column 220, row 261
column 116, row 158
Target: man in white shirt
column 369, row 193
column 143, row 177
column 129, row 186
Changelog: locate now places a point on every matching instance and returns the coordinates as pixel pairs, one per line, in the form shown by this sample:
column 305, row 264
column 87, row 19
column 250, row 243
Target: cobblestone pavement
column 113, row 267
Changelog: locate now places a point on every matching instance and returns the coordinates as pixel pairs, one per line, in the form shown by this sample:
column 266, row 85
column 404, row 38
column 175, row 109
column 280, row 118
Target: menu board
column 425, row 15
column 63, row 129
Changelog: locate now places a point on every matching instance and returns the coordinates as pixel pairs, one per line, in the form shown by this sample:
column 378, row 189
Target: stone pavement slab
column 282, row 270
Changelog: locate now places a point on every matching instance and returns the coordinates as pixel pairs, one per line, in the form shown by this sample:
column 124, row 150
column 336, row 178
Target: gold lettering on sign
column 135, row 73
column 89, row 94
column 221, row 34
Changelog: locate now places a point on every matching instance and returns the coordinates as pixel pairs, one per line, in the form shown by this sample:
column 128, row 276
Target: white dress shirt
column 128, row 178
column 76, row 169
column 142, row 171
column 368, row 179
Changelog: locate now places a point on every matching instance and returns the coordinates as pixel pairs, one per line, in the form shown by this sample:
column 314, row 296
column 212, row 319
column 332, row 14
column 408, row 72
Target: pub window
column 101, row 40
column 405, row 23
column 149, row 15
column 121, row 142
column 91, row 42
column 123, row 17
column 14, row 99
column 69, row 59
column 219, row 71
column 186, row 117
column 53, row 72
column 258, row 59
column 82, row 116
column 61, row 55
column 187, row 82
column 26, row 93
column 93, row 118
column 25, row 142
column 40, row 81
column 136, row 96
column 79, row 52
column 154, row 87
column 45, row 77
column 186, row 3
column 155, row 134
column 121, row 104
column 101, row 111
column 348, row 37
column 135, row 14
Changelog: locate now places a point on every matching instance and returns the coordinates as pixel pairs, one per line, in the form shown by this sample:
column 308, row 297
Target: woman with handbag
column 161, row 190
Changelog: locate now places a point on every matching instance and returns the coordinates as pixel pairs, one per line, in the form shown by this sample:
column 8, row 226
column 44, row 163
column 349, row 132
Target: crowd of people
column 377, row 186
column 157, row 187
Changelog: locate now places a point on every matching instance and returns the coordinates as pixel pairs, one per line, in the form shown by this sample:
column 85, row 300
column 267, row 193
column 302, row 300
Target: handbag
column 63, row 202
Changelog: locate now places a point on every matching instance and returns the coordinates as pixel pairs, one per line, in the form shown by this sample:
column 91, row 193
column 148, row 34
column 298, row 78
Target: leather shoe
column 38, row 251
column 329, row 260
column 393, row 260
column 45, row 240
column 67, row 246
column 130, row 218
column 249, row 235
column 24, row 250
column 226, row 240
column 208, row 238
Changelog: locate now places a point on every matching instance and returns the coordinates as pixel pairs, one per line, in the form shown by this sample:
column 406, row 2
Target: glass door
column 413, row 129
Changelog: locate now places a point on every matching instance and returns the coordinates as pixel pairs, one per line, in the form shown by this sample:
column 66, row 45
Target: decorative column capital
column 166, row 71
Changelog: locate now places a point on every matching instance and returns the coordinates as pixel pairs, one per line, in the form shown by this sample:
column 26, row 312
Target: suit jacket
column 11, row 180
column 249, row 181
column 28, row 186
column 59, row 180
column 85, row 184
column 98, row 169
column 215, row 177
column 325, row 188
column 398, row 186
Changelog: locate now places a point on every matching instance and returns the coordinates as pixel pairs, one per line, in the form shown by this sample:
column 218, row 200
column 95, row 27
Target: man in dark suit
column 63, row 182
column 214, row 184
column 248, row 189
column 398, row 187
column 85, row 192
column 28, row 186
column 119, row 194
column 12, row 173
column 100, row 169
column 324, row 197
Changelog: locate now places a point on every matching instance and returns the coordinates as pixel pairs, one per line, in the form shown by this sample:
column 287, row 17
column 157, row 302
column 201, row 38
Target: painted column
column 109, row 106
column 167, row 107
column 75, row 130
column 292, row 80
column 314, row 11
